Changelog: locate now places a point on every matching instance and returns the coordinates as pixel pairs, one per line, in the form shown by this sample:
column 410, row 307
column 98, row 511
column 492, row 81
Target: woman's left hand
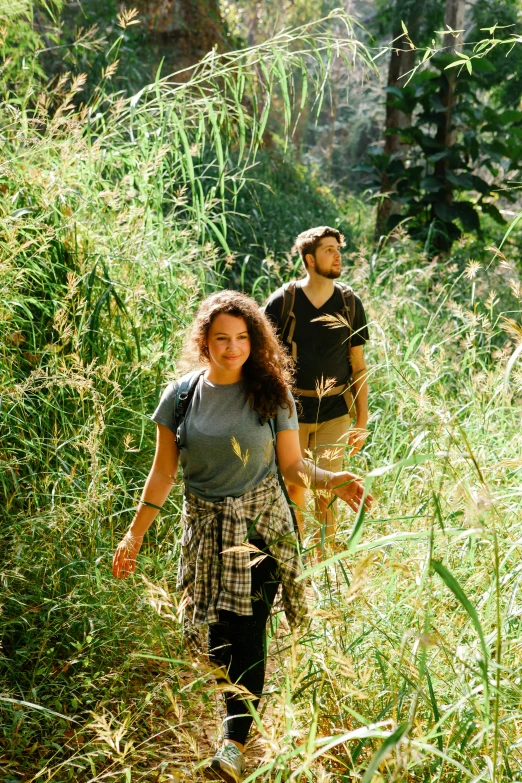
column 124, row 560
column 348, row 488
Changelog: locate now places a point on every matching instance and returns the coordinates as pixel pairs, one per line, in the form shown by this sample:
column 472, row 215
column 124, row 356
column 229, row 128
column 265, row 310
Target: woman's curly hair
column 267, row 373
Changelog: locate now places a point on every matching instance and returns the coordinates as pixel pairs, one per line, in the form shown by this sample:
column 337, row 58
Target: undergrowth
column 115, row 219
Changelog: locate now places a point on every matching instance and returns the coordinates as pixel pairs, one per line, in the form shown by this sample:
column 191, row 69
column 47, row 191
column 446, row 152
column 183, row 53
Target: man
column 324, row 326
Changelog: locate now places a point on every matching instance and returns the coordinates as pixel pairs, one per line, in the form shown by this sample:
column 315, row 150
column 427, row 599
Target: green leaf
column 514, row 224
column 412, row 347
column 388, row 745
column 463, row 180
column 438, row 156
column 444, row 212
column 494, row 212
column 221, row 239
column 511, row 115
column 431, row 184
column 434, row 707
column 304, row 88
column 451, row 582
column 480, row 184
column 454, row 65
column 482, row 65
column 33, row 706
column 280, row 71
column 467, row 215
column 264, row 119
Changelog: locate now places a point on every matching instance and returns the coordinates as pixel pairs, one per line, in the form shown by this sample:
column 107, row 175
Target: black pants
column 236, row 644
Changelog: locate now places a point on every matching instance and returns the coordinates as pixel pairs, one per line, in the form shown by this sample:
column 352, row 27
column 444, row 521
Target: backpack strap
column 287, row 319
column 184, row 393
column 272, row 424
column 349, row 307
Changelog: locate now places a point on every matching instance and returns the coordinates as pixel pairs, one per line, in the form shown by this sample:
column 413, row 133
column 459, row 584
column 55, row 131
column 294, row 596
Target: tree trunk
column 446, row 134
column 182, row 31
column 402, row 60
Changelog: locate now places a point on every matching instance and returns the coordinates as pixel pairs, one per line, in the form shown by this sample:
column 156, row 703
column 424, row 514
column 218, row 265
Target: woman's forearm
column 155, row 492
column 304, row 473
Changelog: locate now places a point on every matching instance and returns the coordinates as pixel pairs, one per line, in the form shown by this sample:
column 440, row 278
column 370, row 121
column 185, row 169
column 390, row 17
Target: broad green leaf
column 32, row 706
column 380, row 754
column 511, row 228
column 434, row 707
column 218, row 233
column 451, row 582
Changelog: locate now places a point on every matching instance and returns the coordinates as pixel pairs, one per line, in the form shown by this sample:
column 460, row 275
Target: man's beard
column 332, row 274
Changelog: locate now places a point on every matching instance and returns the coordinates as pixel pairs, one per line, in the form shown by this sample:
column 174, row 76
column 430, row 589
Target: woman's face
column 228, row 343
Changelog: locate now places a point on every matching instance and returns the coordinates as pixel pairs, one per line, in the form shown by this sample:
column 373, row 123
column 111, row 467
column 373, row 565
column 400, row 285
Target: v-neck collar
column 318, row 309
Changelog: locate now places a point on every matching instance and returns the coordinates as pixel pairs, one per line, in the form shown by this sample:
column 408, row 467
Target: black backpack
column 184, row 395
column 288, row 321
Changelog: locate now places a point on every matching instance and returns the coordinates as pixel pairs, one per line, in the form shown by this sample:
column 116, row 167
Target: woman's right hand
column 124, row 560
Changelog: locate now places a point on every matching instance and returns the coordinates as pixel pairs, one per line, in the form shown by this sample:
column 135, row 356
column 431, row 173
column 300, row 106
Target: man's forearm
column 360, row 396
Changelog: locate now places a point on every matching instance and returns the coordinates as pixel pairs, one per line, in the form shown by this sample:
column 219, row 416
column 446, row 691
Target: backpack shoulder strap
column 287, row 319
column 291, row 504
column 184, row 393
column 349, row 307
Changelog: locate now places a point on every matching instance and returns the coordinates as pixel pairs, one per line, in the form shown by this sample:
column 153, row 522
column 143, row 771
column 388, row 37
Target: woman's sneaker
column 228, row 764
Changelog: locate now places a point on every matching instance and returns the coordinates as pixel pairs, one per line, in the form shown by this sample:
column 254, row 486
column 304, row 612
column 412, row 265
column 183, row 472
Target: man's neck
column 318, row 289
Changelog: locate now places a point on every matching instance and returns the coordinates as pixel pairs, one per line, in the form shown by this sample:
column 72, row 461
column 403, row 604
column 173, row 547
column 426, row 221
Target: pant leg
column 329, row 440
column 237, row 645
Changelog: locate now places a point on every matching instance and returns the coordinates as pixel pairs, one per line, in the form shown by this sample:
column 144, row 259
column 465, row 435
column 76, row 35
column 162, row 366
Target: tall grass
column 114, row 222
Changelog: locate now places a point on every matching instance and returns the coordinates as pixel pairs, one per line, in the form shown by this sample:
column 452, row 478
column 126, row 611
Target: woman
column 225, row 443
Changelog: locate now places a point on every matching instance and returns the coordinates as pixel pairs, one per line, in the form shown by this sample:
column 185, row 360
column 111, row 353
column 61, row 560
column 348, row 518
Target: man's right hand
column 356, row 439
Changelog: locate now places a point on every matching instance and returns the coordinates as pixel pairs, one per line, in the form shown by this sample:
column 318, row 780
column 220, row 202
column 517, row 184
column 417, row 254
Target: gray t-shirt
column 224, row 449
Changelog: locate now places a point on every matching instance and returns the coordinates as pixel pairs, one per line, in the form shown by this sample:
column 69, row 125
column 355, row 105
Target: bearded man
column 323, row 323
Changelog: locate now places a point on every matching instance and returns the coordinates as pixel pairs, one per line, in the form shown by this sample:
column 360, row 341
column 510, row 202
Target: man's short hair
column 307, row 241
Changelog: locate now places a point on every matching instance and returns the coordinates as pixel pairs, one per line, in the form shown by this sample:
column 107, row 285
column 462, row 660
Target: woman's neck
column 222, row 377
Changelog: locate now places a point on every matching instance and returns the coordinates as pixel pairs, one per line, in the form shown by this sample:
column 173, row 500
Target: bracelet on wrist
column 152, row 505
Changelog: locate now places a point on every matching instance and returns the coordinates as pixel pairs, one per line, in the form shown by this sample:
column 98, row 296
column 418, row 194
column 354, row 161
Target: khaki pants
column 322, row 439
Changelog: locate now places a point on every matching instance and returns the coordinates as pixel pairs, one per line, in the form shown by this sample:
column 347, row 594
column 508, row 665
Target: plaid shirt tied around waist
column 212, row 582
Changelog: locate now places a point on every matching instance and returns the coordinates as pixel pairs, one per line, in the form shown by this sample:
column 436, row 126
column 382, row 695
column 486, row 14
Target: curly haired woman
column 225, row 443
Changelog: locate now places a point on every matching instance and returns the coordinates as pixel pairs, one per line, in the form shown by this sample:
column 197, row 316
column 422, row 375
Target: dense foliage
column 439, row 205
column 115, row 218
column 460, row 151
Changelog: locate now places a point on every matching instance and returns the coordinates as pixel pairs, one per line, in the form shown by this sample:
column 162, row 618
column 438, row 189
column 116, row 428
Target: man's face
column 327, row 261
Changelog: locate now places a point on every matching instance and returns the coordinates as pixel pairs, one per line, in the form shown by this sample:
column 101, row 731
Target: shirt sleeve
column 164, row 413
column 360, row 327
column 287, row 417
